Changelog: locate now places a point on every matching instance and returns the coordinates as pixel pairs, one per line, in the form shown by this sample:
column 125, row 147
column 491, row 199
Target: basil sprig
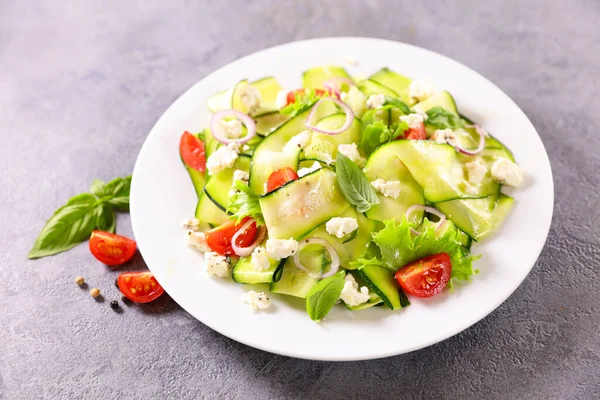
column 354, row 184
column 323, row 296
column 74, row 222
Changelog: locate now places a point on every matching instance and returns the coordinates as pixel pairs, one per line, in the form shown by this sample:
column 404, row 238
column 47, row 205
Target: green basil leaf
column 390, row 101
column 323, row 296
column 97, row 187
column 121, row 203
column 354, row 184
column 68, row 226
column 442, row 119
column 118, row 187
column 106, row 219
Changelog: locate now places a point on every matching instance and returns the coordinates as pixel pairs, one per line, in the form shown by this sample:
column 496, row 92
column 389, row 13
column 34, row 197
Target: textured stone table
column 82, row 83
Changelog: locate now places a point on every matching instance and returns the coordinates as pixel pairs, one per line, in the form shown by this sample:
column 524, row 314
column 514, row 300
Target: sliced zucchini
column 208, row 211
column 355, row 245
column 394, row 81
column 324, row 147
column 268, row 155
column 477, row 217
column 297, row 282
column 436, row 167
column 220, row 101
column 369, row 87
column 385, row 164
column 267, row 123
column 442, row 99
column 382, row 282
column 300, row 206
column 210, row 143
column 244, row 272
column 218, row 185
column 315, row 77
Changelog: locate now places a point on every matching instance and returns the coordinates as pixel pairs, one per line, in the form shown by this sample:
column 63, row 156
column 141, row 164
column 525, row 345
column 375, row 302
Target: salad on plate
column 355, row 192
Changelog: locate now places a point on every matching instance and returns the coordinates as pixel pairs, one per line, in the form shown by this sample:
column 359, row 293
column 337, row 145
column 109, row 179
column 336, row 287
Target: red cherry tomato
column 192, row 151
column 111, row 249
column 219, row 238
column 139, row 287
column 291, row 96
column 416, row 132
column 425, row 277
column 280, row 177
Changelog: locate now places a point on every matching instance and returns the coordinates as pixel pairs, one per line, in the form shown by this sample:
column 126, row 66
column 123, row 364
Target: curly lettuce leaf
column 244, row 203
column 303, row 101
column 400, row 247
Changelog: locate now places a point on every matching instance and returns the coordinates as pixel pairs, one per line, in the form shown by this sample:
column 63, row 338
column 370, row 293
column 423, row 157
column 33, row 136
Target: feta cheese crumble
column 305, row 171
column 351, row 151
column 507, row 172
column 281, row 100
column 421, row 89
column 216, row 264
column 351, row 61
column 256, row 300
column 443, row 136
column 281, row 248
column 239, row 175
column 232, row 129
column 191, row 224
column 351, row 295
column 340, row 227
column 299, row 141
column 223, row 158
column 375, row 101
column 197, row 240
column 260, row 259
column 475, row 172
column 250, row 97
column 387, row 188
column 412, row 120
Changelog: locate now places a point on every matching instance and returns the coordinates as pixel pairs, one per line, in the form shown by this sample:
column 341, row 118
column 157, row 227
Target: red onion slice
column 344, row 106
column 335, row 258
column 430, row 210
column 217, row 130
column 334, row 84
column 482, row 135
column 261, row 234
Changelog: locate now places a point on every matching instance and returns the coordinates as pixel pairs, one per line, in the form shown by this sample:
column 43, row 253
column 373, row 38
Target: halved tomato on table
column 110, row 248
column 139, row 287
column 280, row 177
column 425, row 277
column 219, row 238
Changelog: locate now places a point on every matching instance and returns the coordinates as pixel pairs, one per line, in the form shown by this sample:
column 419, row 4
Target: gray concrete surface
column 82, row 83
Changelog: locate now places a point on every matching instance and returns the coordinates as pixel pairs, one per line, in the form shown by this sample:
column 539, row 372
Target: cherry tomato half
column 111, row 249
column 219, row 238
column 192, row 151
column 280, row 177
column 139, row 287
column 425, row 277
column 291, row 96
column 416, row 132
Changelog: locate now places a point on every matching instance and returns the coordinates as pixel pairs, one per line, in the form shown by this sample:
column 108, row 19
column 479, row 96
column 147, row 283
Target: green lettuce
column 244, row 203
column 442, row 119
column 400, row 247
column 304, row 100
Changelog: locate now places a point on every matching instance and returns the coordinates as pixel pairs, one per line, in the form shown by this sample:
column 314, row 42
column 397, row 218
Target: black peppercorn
column 114, row 305
column 117, row 282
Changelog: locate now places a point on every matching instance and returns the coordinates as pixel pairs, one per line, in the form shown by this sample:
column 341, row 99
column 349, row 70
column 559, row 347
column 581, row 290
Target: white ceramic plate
column 162, row 196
